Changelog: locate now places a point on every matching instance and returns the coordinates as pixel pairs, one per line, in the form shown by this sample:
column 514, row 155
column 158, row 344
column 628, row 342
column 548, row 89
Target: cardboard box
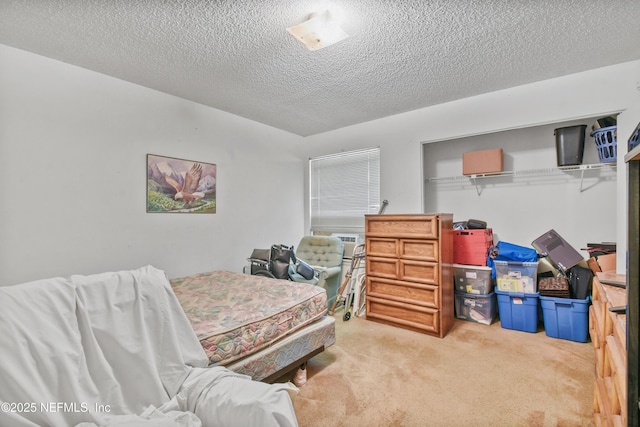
column 607, row 262
column 482, row 162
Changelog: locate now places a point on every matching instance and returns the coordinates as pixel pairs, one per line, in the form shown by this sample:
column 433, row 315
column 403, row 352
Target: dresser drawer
column 597, row 309
column 382, row 247
column 418, row 226
column 601, row 400
column 593, row 328
column 401, row 269
column 413, row 293
column 618, row 370
column 413, row 316
column 419, row 271
column 420, row 250
column 382, row 267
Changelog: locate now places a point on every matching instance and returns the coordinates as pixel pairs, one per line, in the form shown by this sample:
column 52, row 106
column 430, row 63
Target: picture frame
column 177, row 185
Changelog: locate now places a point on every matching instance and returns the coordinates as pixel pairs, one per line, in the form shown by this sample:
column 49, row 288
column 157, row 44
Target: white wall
column 73, row 147
column 588, row 94
column 72, row 158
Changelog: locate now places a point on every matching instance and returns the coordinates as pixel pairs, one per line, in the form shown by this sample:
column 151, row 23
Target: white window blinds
column 343, row 188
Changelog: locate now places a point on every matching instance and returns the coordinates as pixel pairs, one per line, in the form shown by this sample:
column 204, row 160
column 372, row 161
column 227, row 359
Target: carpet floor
column 478, row 375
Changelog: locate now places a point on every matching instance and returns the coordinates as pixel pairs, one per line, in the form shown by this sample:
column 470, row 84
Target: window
column 343, row 188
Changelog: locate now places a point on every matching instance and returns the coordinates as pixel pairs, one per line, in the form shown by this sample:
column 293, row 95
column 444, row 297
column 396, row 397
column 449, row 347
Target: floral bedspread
column 235, row 314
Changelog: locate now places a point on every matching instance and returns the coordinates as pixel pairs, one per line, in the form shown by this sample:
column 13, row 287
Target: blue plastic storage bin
column 518, row 311
column 566, row 318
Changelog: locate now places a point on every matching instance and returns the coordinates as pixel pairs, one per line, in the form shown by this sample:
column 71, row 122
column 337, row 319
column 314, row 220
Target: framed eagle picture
column 180, row 186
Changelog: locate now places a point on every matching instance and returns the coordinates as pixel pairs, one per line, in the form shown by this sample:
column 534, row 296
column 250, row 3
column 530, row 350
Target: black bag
column 476, row 224
column 580, row 279
column 305, row 270
column 280, row 259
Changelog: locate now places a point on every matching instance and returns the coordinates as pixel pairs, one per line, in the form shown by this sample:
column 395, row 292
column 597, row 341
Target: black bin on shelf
column 570, row 145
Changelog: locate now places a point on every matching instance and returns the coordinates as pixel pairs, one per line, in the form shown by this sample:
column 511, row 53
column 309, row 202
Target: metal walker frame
column 351, row 282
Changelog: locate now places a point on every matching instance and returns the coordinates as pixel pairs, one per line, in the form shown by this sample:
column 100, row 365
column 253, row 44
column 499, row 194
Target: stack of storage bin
column 565, row 293
column 518, row 299
column 474, row 297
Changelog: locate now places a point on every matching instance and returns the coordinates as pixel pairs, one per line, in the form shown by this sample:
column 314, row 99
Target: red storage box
column 472, row 246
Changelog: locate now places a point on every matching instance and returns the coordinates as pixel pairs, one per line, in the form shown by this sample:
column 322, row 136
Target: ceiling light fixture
column 318, row 31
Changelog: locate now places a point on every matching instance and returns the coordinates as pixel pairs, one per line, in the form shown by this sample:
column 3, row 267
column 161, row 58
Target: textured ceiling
column 401, row 55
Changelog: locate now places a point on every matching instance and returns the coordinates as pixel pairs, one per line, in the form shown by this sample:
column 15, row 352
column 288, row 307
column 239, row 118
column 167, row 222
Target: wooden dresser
column 608, row 333
column 409, row 271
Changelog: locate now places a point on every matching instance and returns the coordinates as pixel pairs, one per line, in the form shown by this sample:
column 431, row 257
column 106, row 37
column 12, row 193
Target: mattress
column 235, row 315
column 289, row 351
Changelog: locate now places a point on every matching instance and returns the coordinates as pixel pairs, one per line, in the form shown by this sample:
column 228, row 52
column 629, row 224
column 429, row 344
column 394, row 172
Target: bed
column 255, row 325
column 116, row 349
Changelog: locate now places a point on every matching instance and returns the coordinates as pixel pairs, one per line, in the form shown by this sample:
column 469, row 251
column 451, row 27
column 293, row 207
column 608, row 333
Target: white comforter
column 117, row 349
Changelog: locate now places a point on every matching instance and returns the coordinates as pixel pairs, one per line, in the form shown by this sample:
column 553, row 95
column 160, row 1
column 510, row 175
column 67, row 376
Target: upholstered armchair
column 324, row 254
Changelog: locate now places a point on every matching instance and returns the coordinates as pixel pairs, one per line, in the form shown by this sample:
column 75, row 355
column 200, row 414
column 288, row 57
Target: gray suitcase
column 559, row 253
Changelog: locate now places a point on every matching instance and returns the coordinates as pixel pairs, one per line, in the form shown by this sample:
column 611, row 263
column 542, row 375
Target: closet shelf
column 526, row 173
